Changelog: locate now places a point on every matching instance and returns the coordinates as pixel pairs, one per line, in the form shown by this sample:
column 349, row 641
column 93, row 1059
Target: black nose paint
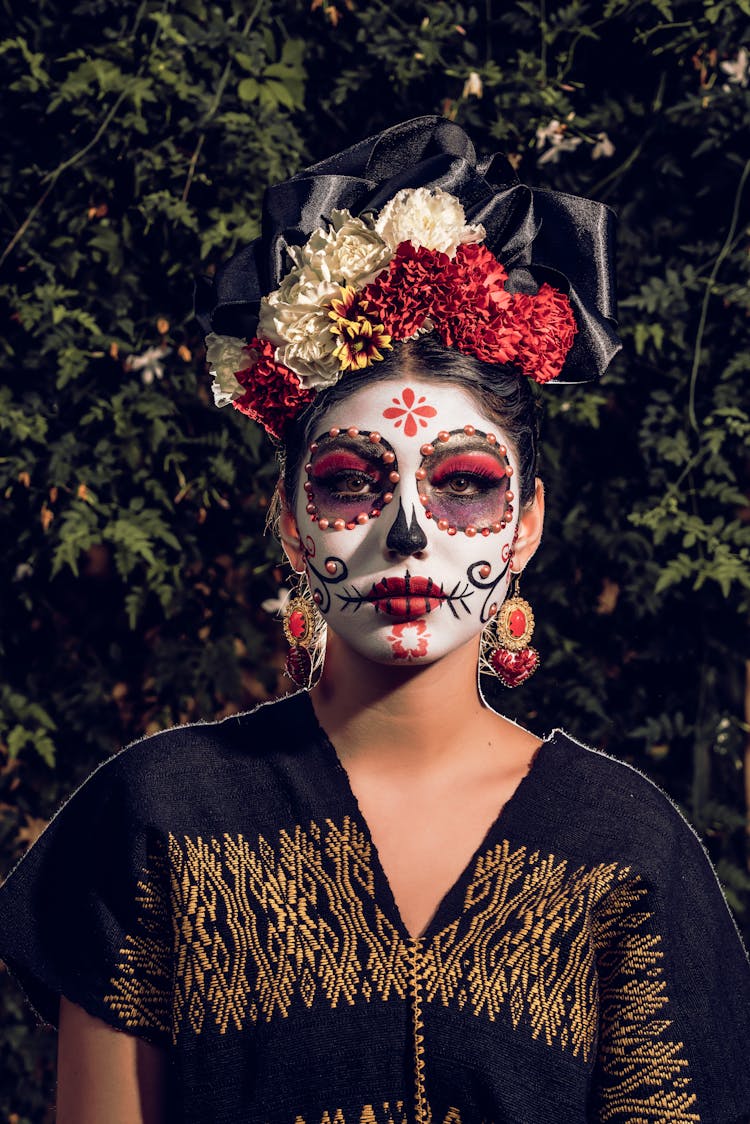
column 406, row 538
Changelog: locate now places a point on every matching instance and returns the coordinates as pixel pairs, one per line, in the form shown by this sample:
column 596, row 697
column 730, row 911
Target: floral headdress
column 407, row 253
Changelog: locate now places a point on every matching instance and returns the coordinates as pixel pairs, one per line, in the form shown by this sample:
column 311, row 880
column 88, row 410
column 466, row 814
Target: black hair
column 503, row 392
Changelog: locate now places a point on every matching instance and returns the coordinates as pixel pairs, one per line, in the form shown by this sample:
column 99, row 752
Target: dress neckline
column 451, row 906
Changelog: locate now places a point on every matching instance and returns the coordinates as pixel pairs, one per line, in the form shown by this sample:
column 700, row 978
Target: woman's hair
column 503, row 394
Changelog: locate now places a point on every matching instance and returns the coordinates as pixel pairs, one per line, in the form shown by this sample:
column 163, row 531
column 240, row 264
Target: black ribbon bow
column 537, row 235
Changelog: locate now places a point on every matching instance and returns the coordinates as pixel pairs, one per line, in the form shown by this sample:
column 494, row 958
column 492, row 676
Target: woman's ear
column 530, row 525
column 289, row 532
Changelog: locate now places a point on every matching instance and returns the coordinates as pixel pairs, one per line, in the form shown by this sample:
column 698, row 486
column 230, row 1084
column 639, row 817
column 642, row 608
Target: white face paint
column 406, row 510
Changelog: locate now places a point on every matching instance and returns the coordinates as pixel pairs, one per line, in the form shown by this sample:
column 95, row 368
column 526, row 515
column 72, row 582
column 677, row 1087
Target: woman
column 378, row 900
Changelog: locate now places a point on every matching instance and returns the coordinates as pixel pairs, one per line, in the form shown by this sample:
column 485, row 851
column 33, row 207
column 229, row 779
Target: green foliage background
column 137, row 139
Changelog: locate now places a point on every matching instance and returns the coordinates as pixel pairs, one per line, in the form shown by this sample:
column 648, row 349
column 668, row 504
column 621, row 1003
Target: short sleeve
column 85, row 912
column 674, row 993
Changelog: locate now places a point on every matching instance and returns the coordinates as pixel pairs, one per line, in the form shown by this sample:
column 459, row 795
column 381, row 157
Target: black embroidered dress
column 214, row 890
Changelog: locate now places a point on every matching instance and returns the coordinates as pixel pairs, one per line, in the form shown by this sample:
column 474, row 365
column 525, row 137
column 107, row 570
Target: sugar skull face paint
column 407, row 532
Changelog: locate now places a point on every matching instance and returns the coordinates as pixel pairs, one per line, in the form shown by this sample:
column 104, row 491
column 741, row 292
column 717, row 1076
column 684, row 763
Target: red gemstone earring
column 505, row 651
column 305, row 632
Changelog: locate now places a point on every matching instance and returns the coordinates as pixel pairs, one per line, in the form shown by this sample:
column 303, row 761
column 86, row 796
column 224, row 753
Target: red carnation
column 472, row 312
column 403, row 295
column 547, row 327
column 273, row 395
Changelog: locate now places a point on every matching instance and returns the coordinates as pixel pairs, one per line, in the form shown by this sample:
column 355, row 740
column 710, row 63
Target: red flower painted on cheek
column 408, row 640
column 409, row 414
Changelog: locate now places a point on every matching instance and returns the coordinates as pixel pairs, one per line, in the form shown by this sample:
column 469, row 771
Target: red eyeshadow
column 479, row 465
column 342, row 462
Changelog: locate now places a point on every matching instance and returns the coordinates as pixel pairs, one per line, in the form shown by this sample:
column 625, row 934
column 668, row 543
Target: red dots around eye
column 388, row 458
column 427, row 450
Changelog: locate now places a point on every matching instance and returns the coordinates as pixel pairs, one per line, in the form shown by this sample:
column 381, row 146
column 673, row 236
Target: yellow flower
column 360, row 340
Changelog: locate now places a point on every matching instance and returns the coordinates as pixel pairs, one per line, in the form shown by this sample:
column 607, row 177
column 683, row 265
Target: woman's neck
column 409, row 719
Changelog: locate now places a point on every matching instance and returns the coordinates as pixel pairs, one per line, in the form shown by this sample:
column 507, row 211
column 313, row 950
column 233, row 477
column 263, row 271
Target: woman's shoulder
column 591, row 796
column 201, row 760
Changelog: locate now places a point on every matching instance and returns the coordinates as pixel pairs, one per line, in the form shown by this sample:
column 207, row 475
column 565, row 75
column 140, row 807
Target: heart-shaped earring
column 514, row 668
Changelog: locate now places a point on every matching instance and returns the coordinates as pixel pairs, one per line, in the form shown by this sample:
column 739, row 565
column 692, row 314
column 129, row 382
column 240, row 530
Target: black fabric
column 538, row 235
column 214, row 890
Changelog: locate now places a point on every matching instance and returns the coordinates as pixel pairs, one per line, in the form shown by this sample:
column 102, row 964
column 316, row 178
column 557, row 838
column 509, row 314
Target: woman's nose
column 405, row 536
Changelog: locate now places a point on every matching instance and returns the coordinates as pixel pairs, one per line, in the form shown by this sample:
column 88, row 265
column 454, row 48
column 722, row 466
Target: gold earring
column 504, row 648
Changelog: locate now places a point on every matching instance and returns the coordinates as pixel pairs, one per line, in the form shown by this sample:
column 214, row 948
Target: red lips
column 406, row 598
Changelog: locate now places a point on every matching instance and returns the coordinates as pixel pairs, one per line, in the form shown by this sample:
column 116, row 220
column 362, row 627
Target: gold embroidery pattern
column 256, row 928
column 523, row 944
column 421, row 1108
column 641, row 1074
column 141, row 995
column 391, row 1115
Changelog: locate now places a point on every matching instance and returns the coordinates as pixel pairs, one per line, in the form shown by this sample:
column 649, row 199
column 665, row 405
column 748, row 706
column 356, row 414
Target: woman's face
column 406, row 508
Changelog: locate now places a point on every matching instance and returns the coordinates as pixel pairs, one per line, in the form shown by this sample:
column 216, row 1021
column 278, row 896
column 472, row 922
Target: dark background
column 137, row 139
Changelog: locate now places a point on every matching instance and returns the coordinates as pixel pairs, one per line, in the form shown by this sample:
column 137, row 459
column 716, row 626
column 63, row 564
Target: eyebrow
column 361, row 445
column 466, row 443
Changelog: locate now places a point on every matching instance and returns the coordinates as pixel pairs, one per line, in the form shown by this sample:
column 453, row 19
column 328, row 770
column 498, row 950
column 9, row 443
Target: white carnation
column 350, row 252
column 428, row 217
column 226, row 355
column 295, row 318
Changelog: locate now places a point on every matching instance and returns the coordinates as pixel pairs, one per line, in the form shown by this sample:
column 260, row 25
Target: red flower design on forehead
column 410, row 414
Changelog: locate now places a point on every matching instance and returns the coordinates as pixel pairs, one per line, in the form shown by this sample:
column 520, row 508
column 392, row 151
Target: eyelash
column 332, row 482
column 485, row 481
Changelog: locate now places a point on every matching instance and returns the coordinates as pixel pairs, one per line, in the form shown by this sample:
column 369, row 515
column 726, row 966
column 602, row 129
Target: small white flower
column 225, row 356
column 737, row 69
column 276, row 604
column 603, row 147
column 554, row 134
column 149, row 363
column 428, row 217
column 472, row 86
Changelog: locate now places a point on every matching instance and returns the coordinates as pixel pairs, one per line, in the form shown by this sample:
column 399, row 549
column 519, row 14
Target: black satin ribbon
column 537, row 235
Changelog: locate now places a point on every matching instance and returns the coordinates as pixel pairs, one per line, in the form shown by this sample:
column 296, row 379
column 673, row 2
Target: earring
column 305, row 631
column 504, row 649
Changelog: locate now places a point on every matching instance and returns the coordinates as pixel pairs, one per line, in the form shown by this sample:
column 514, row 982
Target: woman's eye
column 464, row 484
column 350, row 483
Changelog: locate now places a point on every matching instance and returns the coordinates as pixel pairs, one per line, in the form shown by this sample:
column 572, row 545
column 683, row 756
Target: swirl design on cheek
column 336, row 571
column 474, row 576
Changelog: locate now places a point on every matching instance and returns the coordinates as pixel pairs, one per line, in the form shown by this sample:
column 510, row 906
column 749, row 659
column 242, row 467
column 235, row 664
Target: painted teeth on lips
column 406, row 598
